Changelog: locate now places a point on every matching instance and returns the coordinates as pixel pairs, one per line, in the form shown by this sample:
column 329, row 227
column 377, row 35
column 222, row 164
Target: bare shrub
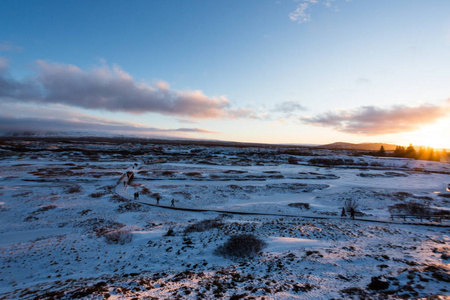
column 195, row 174
column 156, row 195
column 440, row 212
column 31, row 218
column 402, row 195
column 45, row 208
column 241, row 246
column 102, row 226
column 204, row 225
column 98, row 194
column 85, row 212
column 235, row 172
column 410, row 208
column 351, row 204
column 293, row 161
column 130, row 207
column 112, row 232
column 73, row 189
column 378, row 283
column 300, row 205
column 117, row 198
column 417, row 209
column 121, row 236
column 225, row 216
column 330, row 161
column 23, row 194
column 170, row 232
column 185, row 194
column 145, row 191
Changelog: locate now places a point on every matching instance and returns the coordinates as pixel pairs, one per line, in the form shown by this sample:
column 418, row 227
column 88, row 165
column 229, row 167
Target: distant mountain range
column 74, row 134
column 362, row 146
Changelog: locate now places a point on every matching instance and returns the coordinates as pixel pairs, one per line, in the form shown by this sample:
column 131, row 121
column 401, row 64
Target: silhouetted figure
column 352, row 213
column 137, row 195
column 157, row 200
column 172, row 203
column 343, row 212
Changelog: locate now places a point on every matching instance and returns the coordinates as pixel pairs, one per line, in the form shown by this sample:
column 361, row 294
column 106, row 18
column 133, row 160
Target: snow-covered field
column 71, row 228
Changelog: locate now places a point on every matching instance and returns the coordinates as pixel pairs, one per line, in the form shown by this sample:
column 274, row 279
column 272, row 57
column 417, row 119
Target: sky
column 278, row 71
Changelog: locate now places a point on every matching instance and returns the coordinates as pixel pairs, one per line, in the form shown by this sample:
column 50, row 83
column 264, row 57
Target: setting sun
column 435, row 136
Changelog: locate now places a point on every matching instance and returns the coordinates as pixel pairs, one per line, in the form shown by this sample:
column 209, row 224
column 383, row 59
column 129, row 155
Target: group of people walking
column 172, row 202
column 130, row 175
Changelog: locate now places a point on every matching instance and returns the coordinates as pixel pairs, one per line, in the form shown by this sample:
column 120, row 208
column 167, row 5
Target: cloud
column 13, row 89
column 6, row 46
column 370, row 120
column 301, row 13
column 242, row 113
column 111, row 89
column 115, row 90
column 82, row 123
column 3, row 65
column 289, row 107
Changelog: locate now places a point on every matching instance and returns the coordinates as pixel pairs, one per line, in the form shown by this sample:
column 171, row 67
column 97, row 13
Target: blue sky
column 305, row 71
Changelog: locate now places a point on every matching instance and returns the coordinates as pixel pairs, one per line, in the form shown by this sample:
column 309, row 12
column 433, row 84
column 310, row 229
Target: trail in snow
column 120, row 190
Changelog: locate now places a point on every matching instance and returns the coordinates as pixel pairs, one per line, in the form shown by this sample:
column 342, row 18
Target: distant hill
column 362, row 146
column 103, row 137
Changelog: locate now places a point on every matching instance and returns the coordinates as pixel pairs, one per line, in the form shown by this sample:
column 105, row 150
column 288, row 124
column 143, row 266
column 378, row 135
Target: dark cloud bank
column 10, row 124
column 113, row 90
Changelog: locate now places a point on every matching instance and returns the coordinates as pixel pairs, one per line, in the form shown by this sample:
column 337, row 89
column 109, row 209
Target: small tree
column 399, row 151
column 432, row 156
column 410, row 151
column 381, row 152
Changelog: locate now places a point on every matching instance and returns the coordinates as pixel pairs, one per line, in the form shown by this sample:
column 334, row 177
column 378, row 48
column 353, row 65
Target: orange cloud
column 370, row 120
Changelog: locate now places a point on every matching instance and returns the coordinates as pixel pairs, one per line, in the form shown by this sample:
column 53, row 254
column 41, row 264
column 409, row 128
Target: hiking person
column 157, row 200
column 343, row 212
column 172, row 203
column 134, row 195
column 352, row 213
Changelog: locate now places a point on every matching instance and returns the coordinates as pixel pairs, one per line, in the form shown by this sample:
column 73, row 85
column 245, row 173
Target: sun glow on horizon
column 436, row 136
